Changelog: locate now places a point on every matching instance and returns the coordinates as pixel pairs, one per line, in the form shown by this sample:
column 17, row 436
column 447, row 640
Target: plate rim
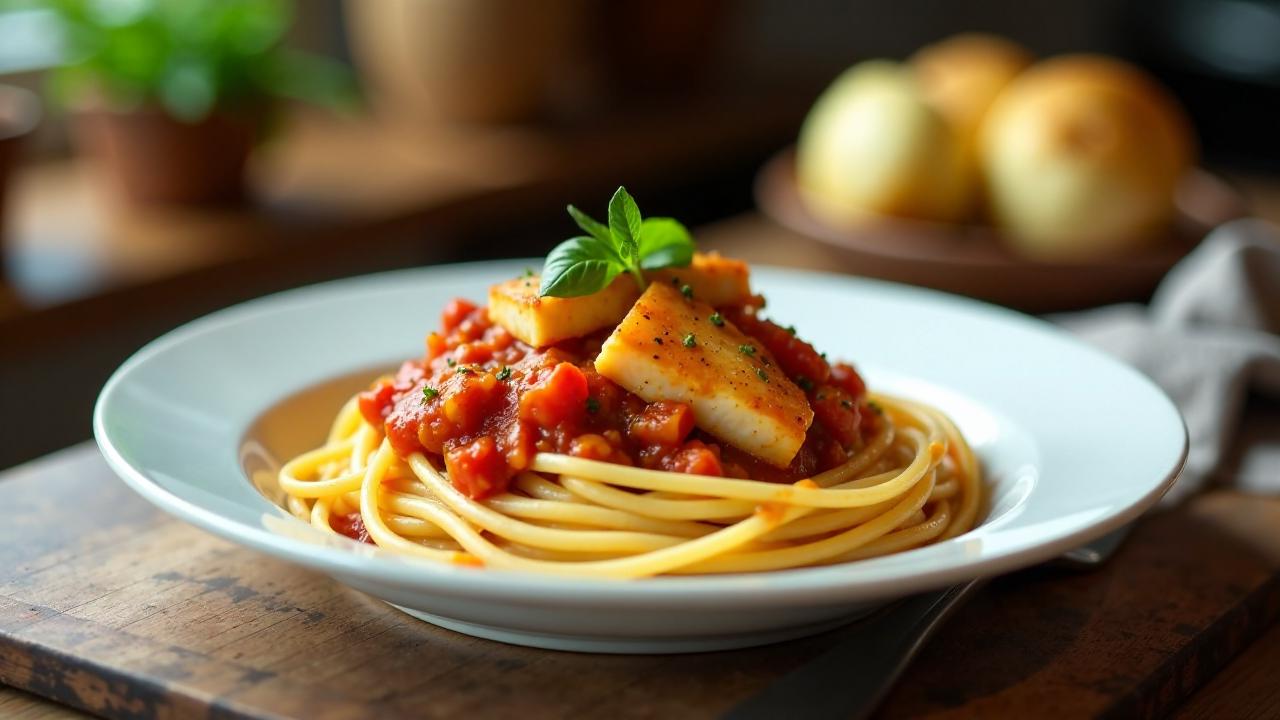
column 803, row 586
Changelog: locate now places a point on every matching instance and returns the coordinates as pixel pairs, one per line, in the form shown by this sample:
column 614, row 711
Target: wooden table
column 110, row 606
column 378, row 186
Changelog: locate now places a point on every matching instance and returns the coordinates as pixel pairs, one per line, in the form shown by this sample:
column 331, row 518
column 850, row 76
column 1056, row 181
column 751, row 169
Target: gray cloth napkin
column 1210, row 337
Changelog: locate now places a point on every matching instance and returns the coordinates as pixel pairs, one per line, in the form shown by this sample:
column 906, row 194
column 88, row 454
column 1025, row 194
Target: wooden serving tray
column 108, row 605
column 974, row 260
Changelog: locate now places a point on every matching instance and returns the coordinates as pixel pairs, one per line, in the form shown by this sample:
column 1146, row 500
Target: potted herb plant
column 169, row 96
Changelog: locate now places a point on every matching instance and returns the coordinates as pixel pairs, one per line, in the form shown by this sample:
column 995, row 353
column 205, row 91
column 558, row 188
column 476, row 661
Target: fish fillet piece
column 667, row 348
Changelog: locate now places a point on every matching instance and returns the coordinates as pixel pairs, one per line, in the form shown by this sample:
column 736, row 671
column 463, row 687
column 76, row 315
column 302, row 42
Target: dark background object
column 1222, row 59
column 19, row 113
column 153, row 158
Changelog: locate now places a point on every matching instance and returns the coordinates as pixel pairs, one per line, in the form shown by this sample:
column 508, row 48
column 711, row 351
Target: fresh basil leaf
column 578, row 266
column 624, row 224
column 591, row 226
column 664, row 242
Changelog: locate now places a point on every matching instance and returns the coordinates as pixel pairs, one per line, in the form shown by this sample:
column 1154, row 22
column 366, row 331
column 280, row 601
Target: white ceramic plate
column 1073, row 444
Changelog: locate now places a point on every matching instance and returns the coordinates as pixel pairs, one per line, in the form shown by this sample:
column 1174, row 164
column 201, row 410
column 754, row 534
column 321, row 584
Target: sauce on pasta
column 486, row 403
column 641, row 431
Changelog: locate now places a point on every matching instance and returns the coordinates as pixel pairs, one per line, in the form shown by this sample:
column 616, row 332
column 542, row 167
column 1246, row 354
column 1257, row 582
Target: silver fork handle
column 846, row 682
column 1087, row 557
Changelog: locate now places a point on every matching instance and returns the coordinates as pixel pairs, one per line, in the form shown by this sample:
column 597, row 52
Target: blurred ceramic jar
column 461, row 61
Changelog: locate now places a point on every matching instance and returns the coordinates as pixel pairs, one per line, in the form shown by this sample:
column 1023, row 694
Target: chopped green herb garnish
column 528, row 272
column 686, row 291
column 747, row 349
column 464, row 370
column 822, row 355
column 761, row 374
column 805, row 383
column 689, row 340
column 429, row 393
column 628, row 243
column 593, row 405
column 717, row 319
column 451, row 362
column 791, row 329
column 504, row 373
column 847, row 405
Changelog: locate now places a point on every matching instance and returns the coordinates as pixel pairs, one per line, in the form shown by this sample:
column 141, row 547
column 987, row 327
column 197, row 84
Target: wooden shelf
column 329, row 182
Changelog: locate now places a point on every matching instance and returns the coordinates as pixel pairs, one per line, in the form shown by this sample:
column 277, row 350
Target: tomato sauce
column 351, row 525
column 487, row 403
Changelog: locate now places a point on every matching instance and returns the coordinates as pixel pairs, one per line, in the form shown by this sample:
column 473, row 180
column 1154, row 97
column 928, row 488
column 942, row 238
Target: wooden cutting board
column 108, row 605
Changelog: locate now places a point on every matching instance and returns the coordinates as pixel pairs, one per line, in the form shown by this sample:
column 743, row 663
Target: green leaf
column 254, row 27
column 664, row 242
column 624, row 224
column 591, row 226
column 628, row 244
column 309, row 78
column 578, row 266
column 189, row 56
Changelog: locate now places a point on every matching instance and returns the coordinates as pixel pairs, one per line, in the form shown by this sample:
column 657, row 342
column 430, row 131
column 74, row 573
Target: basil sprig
column 586, row 264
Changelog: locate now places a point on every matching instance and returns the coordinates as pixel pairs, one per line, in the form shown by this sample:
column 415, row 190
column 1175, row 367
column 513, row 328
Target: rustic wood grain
column 109, row 606
column 1247, row 689
column 18, row 705
column 1190, row 590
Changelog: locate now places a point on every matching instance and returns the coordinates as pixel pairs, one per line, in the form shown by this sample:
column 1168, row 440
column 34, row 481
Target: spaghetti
column 493, row 452
column 914, row 483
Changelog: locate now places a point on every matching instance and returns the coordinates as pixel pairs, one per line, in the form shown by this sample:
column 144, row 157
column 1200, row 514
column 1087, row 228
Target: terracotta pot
column 460, row 61
column 151, row 158
column 19, row 115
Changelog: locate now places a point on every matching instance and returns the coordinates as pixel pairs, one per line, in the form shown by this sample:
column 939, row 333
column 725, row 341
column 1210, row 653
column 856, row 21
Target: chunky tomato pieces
column 798, row 358
column 560, row 397
column 836, row 393
column 487, row 404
